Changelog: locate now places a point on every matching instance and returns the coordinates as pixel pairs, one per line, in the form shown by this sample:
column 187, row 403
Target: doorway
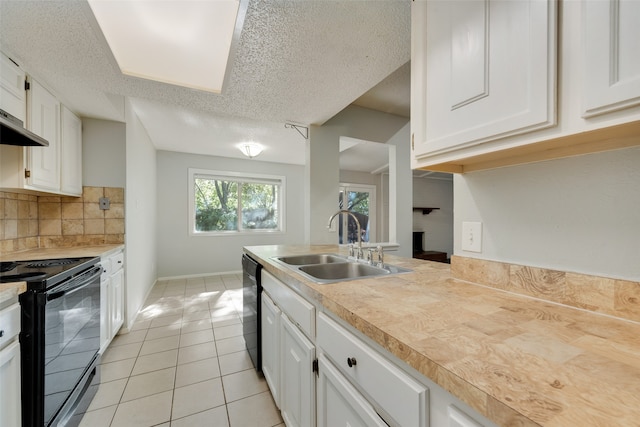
column 361, row 200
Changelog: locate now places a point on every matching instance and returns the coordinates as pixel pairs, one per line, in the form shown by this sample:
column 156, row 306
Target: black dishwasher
column 251, row 312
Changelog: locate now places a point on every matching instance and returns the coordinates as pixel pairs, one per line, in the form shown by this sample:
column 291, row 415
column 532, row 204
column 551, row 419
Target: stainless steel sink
column 312, row 259
column 330, row 268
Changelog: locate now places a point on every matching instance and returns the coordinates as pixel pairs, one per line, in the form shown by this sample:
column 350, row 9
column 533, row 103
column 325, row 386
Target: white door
column 13, row 98
column 270, row 324
column 361, row 200
column 297, row 386
column 116, row 301
column 339, row 403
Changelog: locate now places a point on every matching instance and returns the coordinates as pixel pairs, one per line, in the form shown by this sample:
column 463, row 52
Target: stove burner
column 7, row 266
column 51, row 263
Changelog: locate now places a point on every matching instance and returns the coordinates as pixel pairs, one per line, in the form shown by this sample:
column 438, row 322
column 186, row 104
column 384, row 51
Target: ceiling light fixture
column 183, row 43
column 250, row 149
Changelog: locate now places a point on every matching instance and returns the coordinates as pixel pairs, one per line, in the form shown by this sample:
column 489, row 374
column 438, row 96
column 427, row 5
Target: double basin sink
column 330, row 268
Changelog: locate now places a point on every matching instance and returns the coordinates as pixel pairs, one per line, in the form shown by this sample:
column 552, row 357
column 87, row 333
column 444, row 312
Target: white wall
column 401, row 189
column 181, row 254
column 438, row 225
column 103, row 153
column 579, row 214
column 140, row 215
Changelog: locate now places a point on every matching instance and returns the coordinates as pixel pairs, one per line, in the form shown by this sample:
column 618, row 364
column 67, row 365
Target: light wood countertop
column 517, row 360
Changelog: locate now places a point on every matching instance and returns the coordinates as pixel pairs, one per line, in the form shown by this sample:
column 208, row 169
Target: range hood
column 12, row 132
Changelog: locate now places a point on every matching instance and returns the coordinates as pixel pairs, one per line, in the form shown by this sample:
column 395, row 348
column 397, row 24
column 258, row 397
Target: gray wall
column 578, row 214
column 103, row 153
column 181, row 254
column 438, row 225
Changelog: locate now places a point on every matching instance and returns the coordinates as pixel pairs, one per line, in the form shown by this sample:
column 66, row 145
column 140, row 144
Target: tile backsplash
column 29, row 221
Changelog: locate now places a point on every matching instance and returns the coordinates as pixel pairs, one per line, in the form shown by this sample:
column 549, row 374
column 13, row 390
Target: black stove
column 43, row 274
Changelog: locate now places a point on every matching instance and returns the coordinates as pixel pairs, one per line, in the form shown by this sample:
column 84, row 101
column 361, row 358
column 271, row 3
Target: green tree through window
column 225, row 203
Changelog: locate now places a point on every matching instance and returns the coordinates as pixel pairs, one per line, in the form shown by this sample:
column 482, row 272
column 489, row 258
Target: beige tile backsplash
column 614, row 297
column 28, row 221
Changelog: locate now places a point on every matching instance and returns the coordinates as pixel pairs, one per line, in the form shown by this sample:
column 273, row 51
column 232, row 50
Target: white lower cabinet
column 270, row 325
column 297, row 386
column 339, row 403
column 111, row 297
column 10, row 410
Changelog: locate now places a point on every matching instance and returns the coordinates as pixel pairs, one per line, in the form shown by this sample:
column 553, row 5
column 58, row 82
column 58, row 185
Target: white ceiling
column 297, row 61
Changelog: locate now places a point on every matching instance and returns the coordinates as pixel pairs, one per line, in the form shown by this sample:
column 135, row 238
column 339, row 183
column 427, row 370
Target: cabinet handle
column 1, row 333
column 351, row 361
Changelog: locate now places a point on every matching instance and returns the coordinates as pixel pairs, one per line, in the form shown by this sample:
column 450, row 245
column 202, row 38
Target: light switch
column 472, row 236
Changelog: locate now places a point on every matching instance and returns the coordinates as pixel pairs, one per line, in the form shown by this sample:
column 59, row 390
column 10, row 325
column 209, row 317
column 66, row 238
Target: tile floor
column 184, row 363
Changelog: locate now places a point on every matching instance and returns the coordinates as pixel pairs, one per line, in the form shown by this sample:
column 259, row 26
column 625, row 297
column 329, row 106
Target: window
column 361, row 200
column 231, row 203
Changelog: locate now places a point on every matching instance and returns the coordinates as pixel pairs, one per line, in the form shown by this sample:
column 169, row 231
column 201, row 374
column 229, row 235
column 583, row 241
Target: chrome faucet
column 359, row 253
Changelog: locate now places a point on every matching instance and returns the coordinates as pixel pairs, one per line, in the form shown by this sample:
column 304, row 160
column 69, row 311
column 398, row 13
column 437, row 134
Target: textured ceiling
column 296, row 61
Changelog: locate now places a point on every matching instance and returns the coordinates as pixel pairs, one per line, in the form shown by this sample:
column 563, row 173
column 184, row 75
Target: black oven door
column 60, row 340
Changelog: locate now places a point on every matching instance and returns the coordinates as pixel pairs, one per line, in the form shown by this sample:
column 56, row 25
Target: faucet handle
column 350, row 246
column 380, row 252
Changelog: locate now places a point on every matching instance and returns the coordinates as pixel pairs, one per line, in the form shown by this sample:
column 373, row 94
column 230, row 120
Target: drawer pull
column 351, row 361
column 1, row 333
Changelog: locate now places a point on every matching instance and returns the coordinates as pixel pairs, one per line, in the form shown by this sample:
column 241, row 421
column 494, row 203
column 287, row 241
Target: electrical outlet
column 105, row 203
column 472, row 236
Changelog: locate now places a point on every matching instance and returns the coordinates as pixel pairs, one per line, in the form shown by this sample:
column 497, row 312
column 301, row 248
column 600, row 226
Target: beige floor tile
column 230, row 319
column 166, row 320
column 164, row 331
column 98, row 418
column 215, row 287
column 108, row 394
column 149, row 383
column 223, row 332
column 160, row 344
column 198, row 315
column 153, row 362
column 194, row 372
column 243, row 384
column 195, row 306
column 129, row 338
column 198, row 325
column 140, row 325
column 196, row 352
column 235, row 362
column 121, row 352
column 216, row 417
column 256, row 411
column 230, row 345
column 222, row 312
column 116, row 370
column 194, row 338
column 197, row 397
column 144, row 412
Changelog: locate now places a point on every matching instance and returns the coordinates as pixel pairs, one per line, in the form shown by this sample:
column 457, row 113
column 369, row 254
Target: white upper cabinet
column 13, row 98
column 43, row 163
column 71, row 153
column 611, row 55
column 501, row 83
column 481, row 70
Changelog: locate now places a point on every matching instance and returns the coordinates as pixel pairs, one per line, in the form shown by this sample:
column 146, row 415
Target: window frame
column 243, row 177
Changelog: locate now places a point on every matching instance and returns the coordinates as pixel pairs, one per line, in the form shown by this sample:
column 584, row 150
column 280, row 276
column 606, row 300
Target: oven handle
column 74, row 284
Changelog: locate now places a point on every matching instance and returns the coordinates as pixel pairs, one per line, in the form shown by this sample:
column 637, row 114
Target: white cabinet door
column 116, row 301
column 44, row 119
column 297, row 387
column 611, row 55
column 270, row 325
column 10, row 385
column 13, row 97
column 339, row 403
column 71, row 153
column 481, row 70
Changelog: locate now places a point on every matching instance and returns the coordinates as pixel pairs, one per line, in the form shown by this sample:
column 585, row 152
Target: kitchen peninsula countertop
column 517, row 360
column 10, row 291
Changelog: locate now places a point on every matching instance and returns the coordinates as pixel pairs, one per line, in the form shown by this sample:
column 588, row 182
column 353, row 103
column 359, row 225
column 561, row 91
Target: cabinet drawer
column 9, row 324
column 300, row 311
column 394, row 392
